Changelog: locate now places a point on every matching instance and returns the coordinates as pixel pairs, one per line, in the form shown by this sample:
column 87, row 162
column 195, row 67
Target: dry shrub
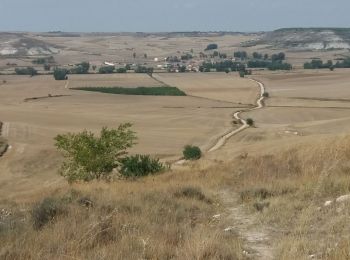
column 192, row 193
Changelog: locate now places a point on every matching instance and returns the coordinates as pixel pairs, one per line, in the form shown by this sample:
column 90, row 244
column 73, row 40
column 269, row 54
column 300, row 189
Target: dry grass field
column 260, row 196
column 216, row 86
column 164, row 125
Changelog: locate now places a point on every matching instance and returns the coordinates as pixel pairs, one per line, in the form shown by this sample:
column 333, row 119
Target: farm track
column 223, row 139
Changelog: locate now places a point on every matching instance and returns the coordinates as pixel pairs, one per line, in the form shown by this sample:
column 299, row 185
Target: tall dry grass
column 147, row 219
column 288, row 189
column 170, row 216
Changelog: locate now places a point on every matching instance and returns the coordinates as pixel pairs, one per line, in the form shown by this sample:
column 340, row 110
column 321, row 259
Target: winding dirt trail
column 222, row 140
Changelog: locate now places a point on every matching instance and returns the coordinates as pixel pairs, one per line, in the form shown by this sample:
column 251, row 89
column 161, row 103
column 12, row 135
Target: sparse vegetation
column 144, row 91
column 192, row 152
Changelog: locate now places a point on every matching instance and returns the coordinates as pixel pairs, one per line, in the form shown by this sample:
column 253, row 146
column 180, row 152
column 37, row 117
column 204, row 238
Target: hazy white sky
column 170, row 15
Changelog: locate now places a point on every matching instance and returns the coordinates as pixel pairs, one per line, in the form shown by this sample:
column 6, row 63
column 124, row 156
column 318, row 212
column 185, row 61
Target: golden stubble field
column 303, row 106
column 274, row 177
column 164, row 125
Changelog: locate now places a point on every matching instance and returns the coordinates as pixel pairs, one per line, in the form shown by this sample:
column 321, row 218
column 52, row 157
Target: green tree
column 81, row 68
column 212, row 46
column 60, row 74
column 26, row 71
column 240, row 54
column 106, row 69
column 121, row 70
column 89, row 157
column 278, row 57
column 182, row 68
column 257, row 55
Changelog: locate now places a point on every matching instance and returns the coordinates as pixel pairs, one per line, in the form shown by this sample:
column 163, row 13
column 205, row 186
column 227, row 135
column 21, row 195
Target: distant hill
column 307, row 38
column 24, row 44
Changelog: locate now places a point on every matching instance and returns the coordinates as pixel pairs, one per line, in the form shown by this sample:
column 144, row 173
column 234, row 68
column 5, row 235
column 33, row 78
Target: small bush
column 241, row 73
column 259, row 193
column 192, row 152
column 212, row 46
column 250, row 121
column 193, row 193
column 266, row 94
column 140, row 165
column 45, row 212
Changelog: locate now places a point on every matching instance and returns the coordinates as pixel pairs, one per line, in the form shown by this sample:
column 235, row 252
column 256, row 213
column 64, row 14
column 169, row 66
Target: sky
column 170, row 15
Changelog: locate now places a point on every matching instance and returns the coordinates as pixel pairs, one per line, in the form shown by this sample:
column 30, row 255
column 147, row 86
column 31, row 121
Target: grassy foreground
column 170, row 216
column 160, row 217
column 144, row 91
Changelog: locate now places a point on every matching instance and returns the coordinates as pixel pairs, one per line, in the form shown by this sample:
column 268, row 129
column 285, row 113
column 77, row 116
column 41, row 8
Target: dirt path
column 256, row 237
column 222, row 140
